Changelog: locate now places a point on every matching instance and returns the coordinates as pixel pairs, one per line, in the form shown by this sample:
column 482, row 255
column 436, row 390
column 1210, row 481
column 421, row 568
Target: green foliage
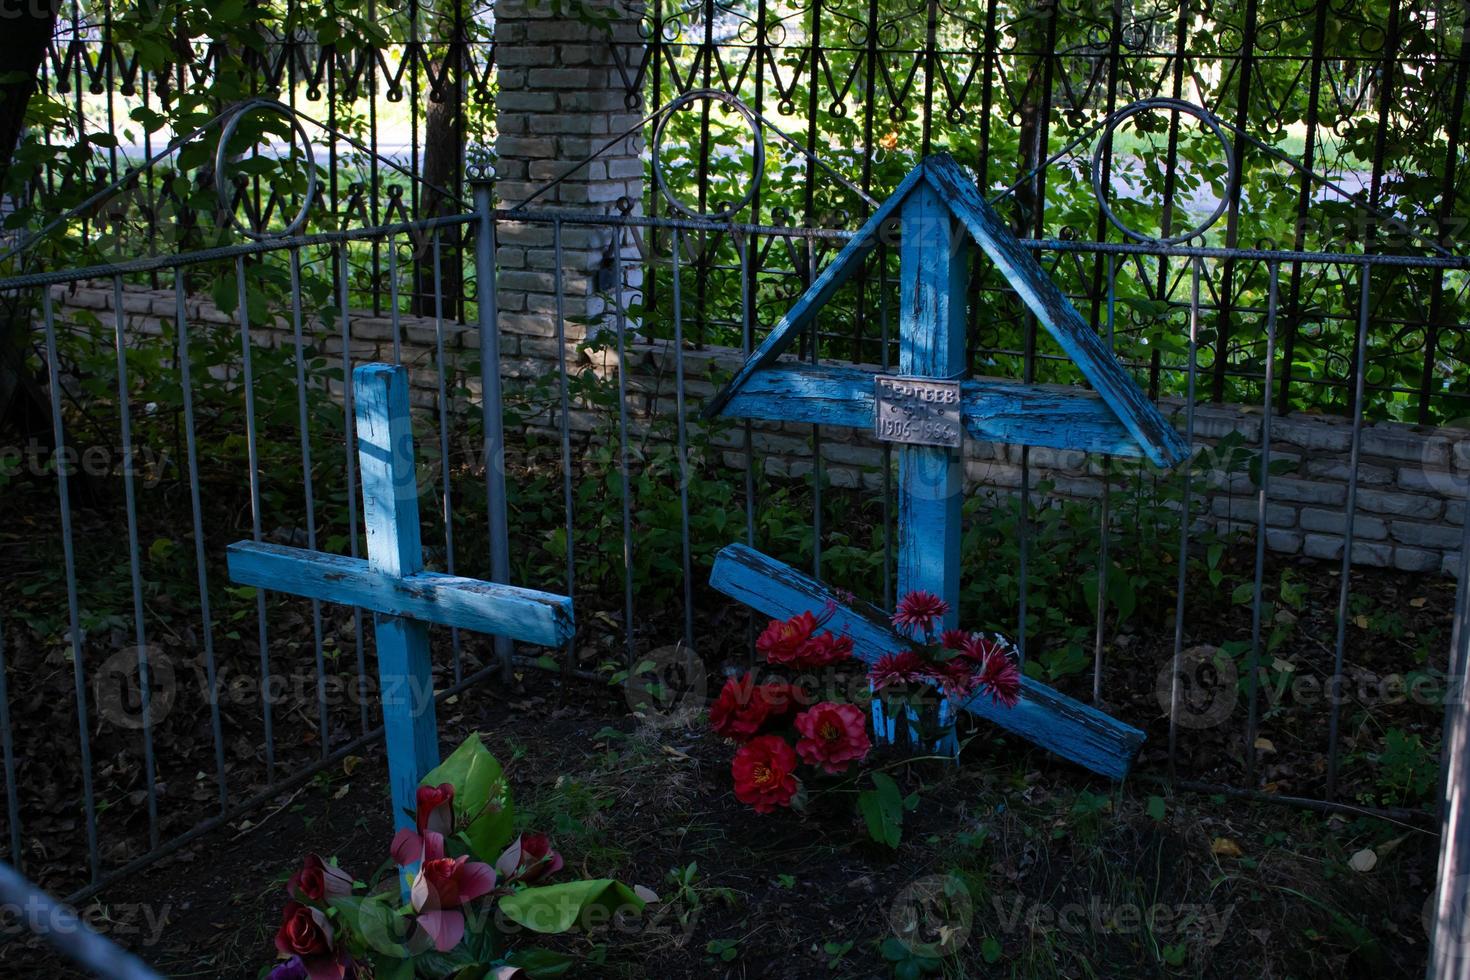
column 883, row 808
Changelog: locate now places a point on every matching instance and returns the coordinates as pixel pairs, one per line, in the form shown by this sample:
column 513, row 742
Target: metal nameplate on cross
column 391, row 582
column 917, row 411
column 928, row 414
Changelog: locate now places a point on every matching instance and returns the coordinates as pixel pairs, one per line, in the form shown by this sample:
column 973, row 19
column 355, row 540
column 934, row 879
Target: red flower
column 306, row 933
column 442, row 885
column 528, row 860
column 764, row 771
column 999, row 677
column 898, row 669
column 824, row 650
column 954, row 639
column 435, row 808
column 318, row 881
column 919, row 611
column 782, row 640
column 743, row 707
column 833, row 736
column 978, row 648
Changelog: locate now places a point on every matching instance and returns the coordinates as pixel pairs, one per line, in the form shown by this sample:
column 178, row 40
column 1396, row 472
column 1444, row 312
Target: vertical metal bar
column 747, row 342
column 490, row 403
column 253, row 461
column 444, row 422
column 570, row 654
column 1183, row 556
column 393, row 317
column 816, row 429
column 1360, row 361
column 1105, row 523
column 1262, row 492
column 134, row 559
column 135, row 566
column 683, row 443
column 349, row 444
column 73, row 604
column 627, row 492
column 1447, row 959
column 323, row 730
column 7, row 746
column 196, row 510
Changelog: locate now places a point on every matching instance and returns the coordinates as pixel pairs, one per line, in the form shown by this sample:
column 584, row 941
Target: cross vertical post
column 934, row 270
column 391, row 509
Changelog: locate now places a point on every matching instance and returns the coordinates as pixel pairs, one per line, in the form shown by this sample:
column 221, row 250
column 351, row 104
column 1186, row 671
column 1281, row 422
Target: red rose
column 304, row 932
column 318, row 881
column 824, row 651
column 442, row 885
column 764, row 771
column 833, row 735
column 743, row 707
column 782, row 640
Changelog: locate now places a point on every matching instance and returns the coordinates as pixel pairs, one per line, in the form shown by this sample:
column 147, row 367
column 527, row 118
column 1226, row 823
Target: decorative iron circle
column 1175, row 105
column 759, row 149
column 221, row 185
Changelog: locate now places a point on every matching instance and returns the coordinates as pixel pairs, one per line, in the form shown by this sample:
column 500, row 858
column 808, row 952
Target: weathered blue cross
column 391, row 583
column 927, row 411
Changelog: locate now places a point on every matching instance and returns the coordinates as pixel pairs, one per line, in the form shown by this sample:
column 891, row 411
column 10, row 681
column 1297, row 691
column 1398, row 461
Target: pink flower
column 898, row 669
column 317, row 881
column 528, row 860
column 441, row 887
column 918, row 611
column 833, row 735
column 978, row 647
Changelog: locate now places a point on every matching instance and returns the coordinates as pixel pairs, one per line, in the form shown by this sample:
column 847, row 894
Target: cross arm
column 993, row 409
column 1044, row 716
column 450, row 600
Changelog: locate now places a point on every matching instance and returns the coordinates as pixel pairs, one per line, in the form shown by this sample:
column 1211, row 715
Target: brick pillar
column 562, row 98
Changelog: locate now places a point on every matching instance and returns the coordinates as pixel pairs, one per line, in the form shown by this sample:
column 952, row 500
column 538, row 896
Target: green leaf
column 540, row 962
column 557, row 908
column 882, row 810
column 1156, row 807
column 482, row 802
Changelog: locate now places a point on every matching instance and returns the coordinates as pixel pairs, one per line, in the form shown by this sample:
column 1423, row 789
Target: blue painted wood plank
column 934, row 269
column 838, row 271
column 391, row 518
column 390, row 494
column 1162, row 444
column 993, row 409
column 450, row 600
column 1044, row 716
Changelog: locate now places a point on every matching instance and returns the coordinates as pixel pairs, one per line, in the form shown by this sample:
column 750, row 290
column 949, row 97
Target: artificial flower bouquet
column 808, row 717
column 465, row 889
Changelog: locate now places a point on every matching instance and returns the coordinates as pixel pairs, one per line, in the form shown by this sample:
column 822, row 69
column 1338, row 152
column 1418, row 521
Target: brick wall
column 1412, row 480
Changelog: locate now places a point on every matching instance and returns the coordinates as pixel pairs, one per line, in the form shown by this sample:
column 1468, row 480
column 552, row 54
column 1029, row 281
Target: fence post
column 1447, row 916
column 488, row 314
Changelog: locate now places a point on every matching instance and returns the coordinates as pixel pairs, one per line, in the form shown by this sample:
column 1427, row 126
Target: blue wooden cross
column 928, row 410
column 391, row 583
